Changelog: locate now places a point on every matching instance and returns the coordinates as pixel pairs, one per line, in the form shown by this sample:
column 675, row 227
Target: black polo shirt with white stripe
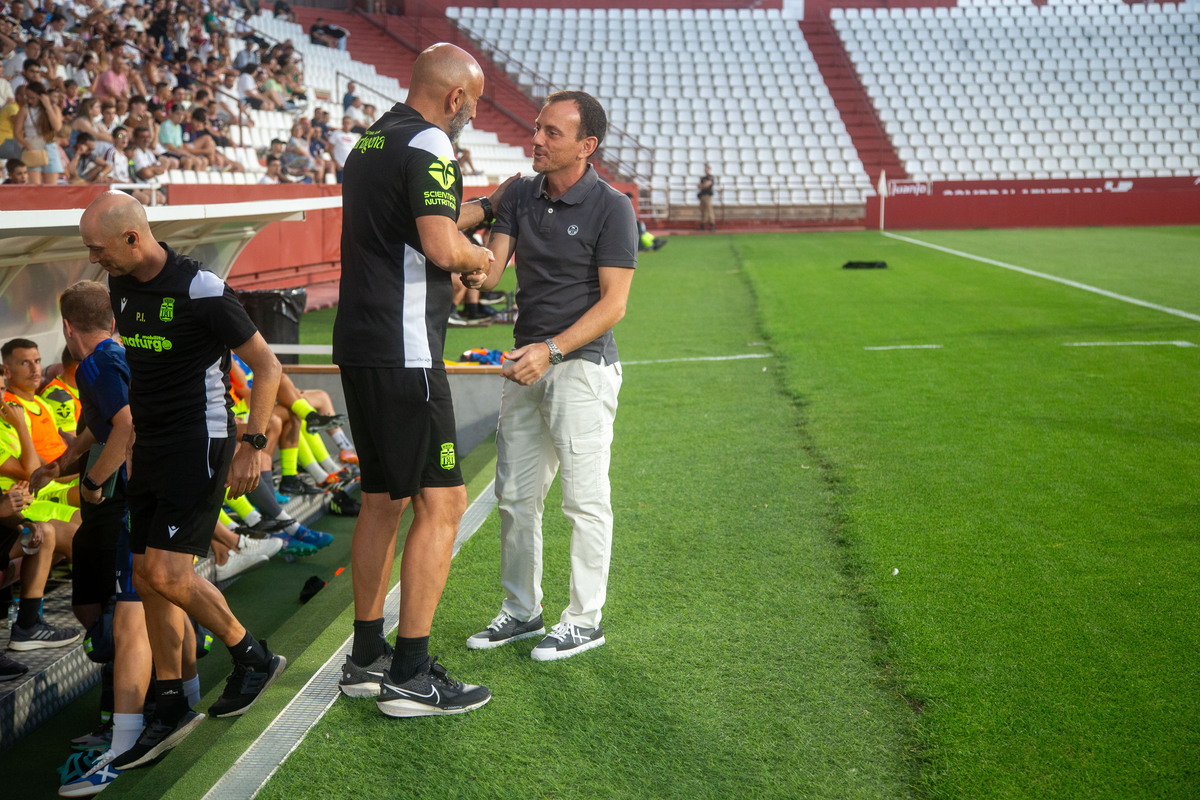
column 560, row 246
column 394, row 302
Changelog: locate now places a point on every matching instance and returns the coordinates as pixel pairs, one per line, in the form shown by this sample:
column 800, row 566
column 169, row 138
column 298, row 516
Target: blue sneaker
column 282, row 499
column 97, row 778
column 294, row 547
column 315, row 538
column 76, row 767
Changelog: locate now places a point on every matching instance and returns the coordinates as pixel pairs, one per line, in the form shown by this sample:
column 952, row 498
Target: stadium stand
column 737, row 89
column 1025, row 92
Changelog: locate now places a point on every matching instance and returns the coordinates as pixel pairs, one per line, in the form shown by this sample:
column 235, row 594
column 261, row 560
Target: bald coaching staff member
column 403, row 212
column 575, row 238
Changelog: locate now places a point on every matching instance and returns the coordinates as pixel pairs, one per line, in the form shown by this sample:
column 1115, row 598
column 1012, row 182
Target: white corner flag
column 882, row 189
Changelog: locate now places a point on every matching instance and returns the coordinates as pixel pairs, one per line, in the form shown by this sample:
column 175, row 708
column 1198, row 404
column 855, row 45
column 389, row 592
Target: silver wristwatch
column 556, row 355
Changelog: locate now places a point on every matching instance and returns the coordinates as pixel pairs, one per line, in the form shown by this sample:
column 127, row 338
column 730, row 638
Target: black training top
column 178, row 328
column 393, row 303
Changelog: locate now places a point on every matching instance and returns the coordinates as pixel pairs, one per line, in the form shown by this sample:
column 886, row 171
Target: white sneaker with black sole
column 566, row 640
column 503, row 629
column 432, row 693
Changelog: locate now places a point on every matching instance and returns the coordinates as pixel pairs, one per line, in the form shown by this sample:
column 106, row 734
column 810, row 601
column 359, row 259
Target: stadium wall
column 1037, row 204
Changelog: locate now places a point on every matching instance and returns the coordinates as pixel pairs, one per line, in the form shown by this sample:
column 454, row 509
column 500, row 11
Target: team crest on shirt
column 448, row 455
column 166, row 312
column 574, row 229
column 442, row 171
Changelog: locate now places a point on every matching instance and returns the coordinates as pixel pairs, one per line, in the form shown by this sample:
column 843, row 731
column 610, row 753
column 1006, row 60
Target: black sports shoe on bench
column 246, row 685
column 316, row 421
column 156, row 739
column 431, row 693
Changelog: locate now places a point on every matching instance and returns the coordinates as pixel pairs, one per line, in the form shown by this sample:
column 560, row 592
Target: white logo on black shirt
column 574, row 229
column 123, row 302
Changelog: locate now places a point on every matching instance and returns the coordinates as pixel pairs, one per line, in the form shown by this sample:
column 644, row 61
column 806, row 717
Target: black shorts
column 8, row 539
column 94, row 552
column 403, row 426
column 175, row 494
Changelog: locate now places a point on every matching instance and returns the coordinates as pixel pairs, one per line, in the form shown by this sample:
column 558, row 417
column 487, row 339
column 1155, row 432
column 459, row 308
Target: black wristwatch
column 489, row 214
column 556, row 355
column 257, row 440
column 89, row 484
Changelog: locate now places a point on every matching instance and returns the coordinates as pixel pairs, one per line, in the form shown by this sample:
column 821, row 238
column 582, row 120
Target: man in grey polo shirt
column 575, row 239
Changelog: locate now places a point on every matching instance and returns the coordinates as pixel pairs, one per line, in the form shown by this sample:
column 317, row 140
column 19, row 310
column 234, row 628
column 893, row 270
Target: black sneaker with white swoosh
column 431, row 693
column 365, row 681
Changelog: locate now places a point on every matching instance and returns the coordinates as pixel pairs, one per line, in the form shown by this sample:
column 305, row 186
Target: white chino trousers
column 565, row 419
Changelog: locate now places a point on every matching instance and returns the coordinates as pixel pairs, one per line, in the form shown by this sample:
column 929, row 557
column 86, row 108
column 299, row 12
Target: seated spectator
column 9, row 146
column 86, row 120
column 284, row 11
column 71, row 97
column 170, row 137
column 244, row 29
column 248, row 90
column 85, row 166
column 463, row 156
column 145, row 165
column 17, row 174
column 119, row 158
column 272, row 88
column 204, row 143
column 139, row 114
column 160, row 103
column 298, row 161
column 115, row 81
column 274, row 175
column 328, row 34
column 247, row 55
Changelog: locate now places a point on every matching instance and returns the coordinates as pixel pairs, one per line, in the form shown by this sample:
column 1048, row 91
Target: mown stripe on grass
column 1034, row 273
column 285, row 733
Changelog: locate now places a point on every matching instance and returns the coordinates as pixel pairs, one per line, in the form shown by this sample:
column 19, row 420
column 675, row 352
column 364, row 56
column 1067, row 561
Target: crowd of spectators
column 105, row 91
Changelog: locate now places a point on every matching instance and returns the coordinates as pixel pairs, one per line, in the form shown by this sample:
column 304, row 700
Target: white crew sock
column 126, row 729
column 340, row 439
column 330, row 465
column 318, row 474
column 252, row 518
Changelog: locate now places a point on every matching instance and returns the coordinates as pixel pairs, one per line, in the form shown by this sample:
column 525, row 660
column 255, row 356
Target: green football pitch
column 929, row 531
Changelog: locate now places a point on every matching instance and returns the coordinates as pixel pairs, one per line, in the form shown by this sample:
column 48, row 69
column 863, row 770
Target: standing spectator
column 560, row 399
column 348, row 97
column 706, row 185
column 9, row 146
column 183, row 454
column 34, row 128
column 400, row 242
column 341, row 143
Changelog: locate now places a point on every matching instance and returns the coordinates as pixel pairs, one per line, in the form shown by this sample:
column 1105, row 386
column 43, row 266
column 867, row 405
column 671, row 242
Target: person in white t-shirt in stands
column 341, row 143
column 274, row 174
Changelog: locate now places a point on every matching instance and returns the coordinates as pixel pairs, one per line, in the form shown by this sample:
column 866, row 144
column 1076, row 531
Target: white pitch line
column 1179, row 343
column 250, row 773
column 1034, row 273
column 907, row 347
column 702, row 358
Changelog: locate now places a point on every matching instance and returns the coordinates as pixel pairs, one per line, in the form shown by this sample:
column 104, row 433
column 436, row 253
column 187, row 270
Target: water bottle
column 26, row 536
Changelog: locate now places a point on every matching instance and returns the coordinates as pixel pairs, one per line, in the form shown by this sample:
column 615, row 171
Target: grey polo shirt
column 560, row 246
